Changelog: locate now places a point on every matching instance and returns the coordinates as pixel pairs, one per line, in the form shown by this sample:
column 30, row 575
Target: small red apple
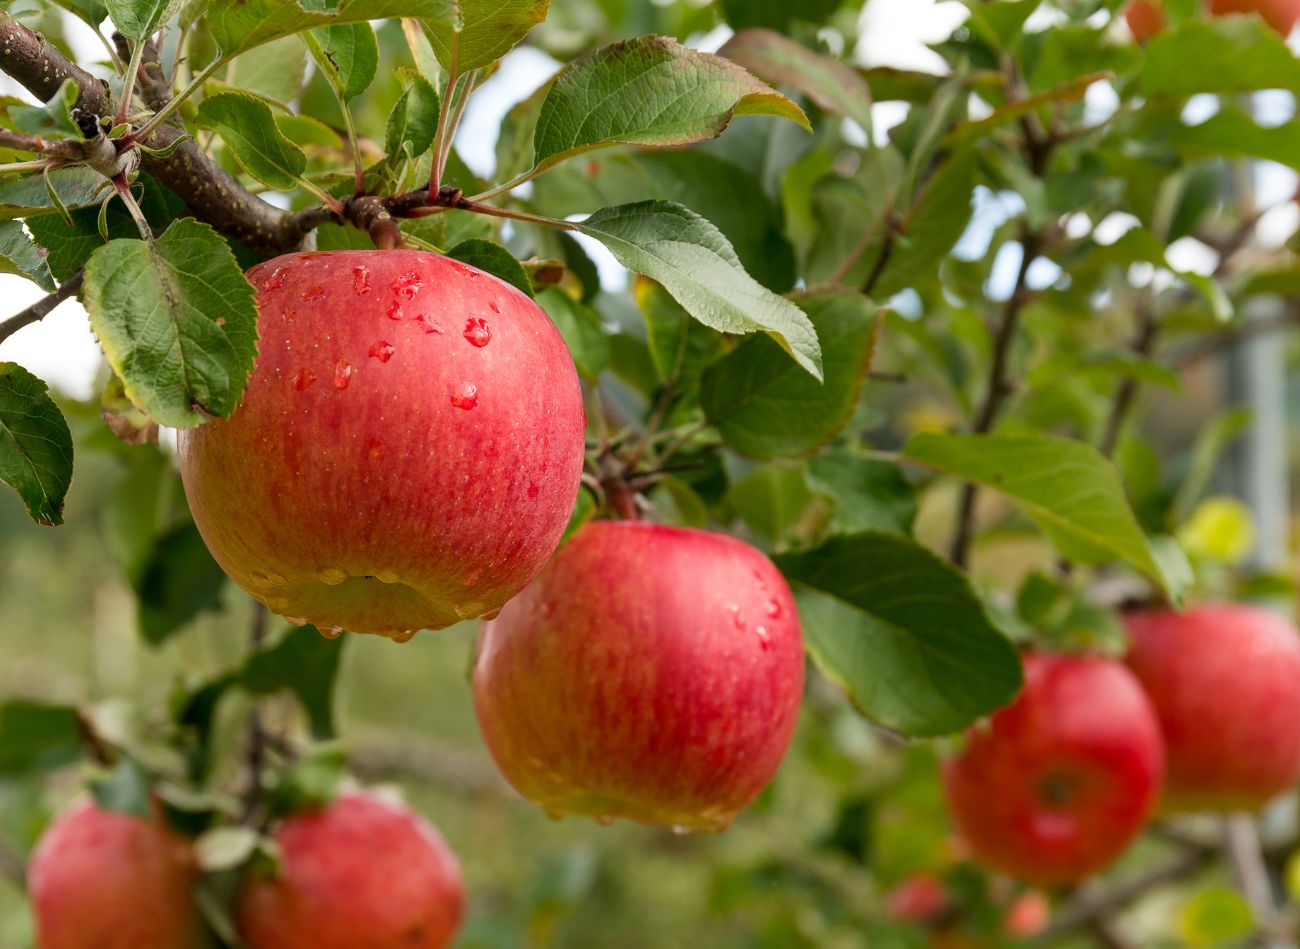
column 650, row 672
column 359, row 872
column 102, row 879
column 407, row 453
column 1281, row 15
column 1225, row 682
column 1145, row 18
column 1060, row 781
column 919, row 899
column 1028, row 915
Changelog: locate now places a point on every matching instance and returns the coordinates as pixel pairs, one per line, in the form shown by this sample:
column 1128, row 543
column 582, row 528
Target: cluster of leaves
column 822, row 342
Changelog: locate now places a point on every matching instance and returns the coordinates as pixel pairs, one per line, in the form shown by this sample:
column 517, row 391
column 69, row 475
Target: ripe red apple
column 919, row 899
column 649, row 672
column 408, row 451
column 106, row 880
column 1225, row 682
column 1064, row 778
column 1281, row 15
column 1145, row 18
column 359, row 872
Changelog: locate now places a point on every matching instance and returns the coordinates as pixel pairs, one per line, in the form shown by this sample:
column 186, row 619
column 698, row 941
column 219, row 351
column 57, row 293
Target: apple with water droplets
column 649, row 672
column 1225, row 682
column 101, row 879
column 358, row 872
column 408, row 451
column 1056, row 785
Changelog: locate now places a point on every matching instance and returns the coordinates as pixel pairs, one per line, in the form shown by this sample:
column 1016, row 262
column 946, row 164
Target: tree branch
column 41, row 308
column 1126, row 394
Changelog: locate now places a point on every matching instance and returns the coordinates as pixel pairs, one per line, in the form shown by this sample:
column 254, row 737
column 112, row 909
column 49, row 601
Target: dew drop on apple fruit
column 408, row 285
column 477, row 332
column 604, row 820
column 546, row 608
column 395, row 311
column 772, row 609
column 382, row 350
column 737, row 615
column 361, row 280
column 428, row 325
column 465, row 396
column 681, row 830
column 495, row 308
column 387, row 576
column 764, row 638
column 296, row 620
column 331, row 632
column 342, row 374
column 277, row 279
column 313, row 292
column 404, row 635
column 304, row 378
column 331, row 576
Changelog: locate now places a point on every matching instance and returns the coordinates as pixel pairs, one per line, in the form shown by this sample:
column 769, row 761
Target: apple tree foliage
column 880, row 322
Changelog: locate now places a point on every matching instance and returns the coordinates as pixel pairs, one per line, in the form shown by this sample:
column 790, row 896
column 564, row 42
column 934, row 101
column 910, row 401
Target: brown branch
column 1126, row 394
column 55, row 148
column 999, row 388
column 41, row 308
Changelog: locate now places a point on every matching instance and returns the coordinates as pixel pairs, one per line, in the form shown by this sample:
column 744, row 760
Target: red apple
column 919, row 899
column 1225, row 682
column 106, row 880
column 1145, row 18
column 1281, row 15
column 650, row 672
column 409, row 449
column 1060, row 781
column 359, row 872
column 1027, row 916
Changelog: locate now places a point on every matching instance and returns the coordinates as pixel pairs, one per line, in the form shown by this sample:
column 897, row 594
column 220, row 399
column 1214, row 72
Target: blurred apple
column 1146, row 18
column 1225, row 683
column 407, row 453
column 650, row 672
column 102, row 879
column 359, row 872
column 1061, row 781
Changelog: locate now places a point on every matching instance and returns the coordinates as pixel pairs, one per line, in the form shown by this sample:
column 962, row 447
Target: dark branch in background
column 12, row 867
column 38, row 145
column 1126, row 394
column 999, row 387
column 255, row 754
column 210, row 193
column 41, row 308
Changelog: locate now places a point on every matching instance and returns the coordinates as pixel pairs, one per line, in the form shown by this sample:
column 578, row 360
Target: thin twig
column 1126, row 393
column 41, row 308
column 1246, row 857
column 255, row 754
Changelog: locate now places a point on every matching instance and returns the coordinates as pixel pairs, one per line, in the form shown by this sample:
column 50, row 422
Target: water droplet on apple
column 361, row 280
column 772, row 609
column 277, row 279
column 382, row 350
column 554, row 813
column 304, row 378
column 395, row 311
column 737, row 615
column 408, row 285
column 494, row 307
column 331, row 576
column 604, row 820
column 387, row 576
column 313, row 293
column 403, row 635
column 331, row 632
column 764, row 639
column 490, row 616
column 295, row 620
column 427, row 324
column 261, row 580
column 681, row 830
column 535, row 763
column 546, row 608
column 477, row 332
column 465, row 396
column 342, row 374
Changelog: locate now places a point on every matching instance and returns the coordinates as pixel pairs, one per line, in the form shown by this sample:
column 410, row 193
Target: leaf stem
column 128, row 81
column 510, row 185
column 163, row 114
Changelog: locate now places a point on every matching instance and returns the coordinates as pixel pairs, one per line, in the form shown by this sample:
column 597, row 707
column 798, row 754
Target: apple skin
column 408, row 451
column 358, row 872
column 1145, row 19
column 102, row 879
column 1225, row 683
column 1060, row 781
column 652, row 673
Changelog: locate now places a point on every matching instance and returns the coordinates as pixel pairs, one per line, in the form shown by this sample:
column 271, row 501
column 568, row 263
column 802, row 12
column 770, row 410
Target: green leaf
column 177, row 321
column 413, row 121
column 305, row 662
column 239, row 25
column 764, row 406
column 1066, row 486
column 697, row 265
column 471, row 34
column 869, row 495
column 248, row 128
column 648, row 91
column 1231, row 131
column 77, row 186
column 177, row 582
column 37, row 737
column 771, row 501
column 491, row 257
column 1224, row 55
column 1216, row 916
column 347, row 54
column 834, row 85
column 54, row 118
column 125, row 789
column 225, row 848
column 777, row 14
column 35, row 444
column 580, row 326
column 902, row 632
column 138, row 18
column 93, row 12
column 18, row 255
column 274, row 71
column 681, row 347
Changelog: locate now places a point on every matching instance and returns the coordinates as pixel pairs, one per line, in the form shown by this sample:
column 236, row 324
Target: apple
column 1145, row 19
column 1225, row 683
column 408, row 451
column 1281, row 15
column 652, row 673
column 358, row 872
column 920, row 899
column 1059, row 782
column 102, row 879
column 924, row 899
